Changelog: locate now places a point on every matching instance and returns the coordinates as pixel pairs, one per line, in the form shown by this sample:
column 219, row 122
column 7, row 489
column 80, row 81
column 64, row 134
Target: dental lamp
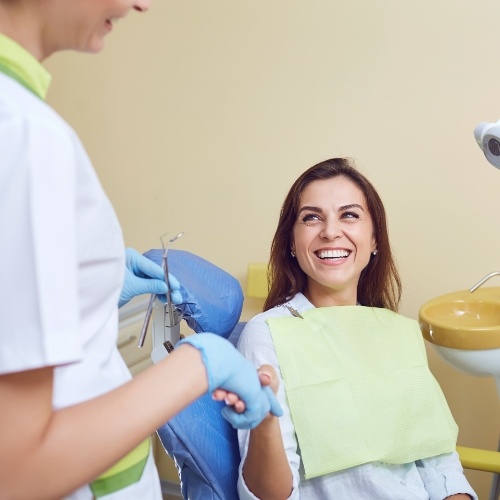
column 488, row 139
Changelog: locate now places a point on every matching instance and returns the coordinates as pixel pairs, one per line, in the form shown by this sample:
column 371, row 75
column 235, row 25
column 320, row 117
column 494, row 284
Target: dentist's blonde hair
column 379, row 284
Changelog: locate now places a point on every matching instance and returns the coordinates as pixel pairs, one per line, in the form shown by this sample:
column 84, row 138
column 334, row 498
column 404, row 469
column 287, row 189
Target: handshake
column 226, row 368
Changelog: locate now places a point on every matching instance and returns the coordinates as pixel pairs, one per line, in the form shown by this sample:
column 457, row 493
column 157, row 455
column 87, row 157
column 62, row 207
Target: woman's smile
column 333, row 239
column 332, row 256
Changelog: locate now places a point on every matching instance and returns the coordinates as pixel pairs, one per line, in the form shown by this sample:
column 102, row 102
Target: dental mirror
column 149, row 310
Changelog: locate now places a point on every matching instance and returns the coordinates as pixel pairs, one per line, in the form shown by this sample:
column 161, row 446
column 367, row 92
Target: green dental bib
column 359, row 388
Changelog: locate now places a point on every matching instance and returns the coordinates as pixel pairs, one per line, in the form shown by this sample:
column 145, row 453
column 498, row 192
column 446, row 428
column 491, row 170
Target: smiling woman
column 334, row 197
column 363, row 415
column 333, row 240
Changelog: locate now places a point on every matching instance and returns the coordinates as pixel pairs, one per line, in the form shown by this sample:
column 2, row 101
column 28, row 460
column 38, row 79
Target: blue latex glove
column 227, row 369
column 144, row 276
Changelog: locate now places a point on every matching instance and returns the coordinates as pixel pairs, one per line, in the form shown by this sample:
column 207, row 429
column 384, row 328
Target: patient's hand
column 267, row 376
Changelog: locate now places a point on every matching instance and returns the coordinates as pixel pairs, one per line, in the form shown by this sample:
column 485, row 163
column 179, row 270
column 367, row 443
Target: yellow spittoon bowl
column 463, row 320
column 464, row 328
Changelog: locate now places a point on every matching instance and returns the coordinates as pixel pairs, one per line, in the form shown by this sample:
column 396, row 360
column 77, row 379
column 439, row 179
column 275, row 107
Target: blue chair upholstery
column 204, row 447
column 205, row 451
column 202, row 443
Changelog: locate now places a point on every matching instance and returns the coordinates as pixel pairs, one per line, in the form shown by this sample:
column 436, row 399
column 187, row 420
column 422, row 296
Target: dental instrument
column 165, row 268
column 165, row 333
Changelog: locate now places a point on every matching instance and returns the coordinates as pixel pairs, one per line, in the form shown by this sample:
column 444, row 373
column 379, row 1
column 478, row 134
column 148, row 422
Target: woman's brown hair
column 379, row 284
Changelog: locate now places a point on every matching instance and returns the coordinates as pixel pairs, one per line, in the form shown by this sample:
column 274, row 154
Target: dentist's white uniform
column 62, row 256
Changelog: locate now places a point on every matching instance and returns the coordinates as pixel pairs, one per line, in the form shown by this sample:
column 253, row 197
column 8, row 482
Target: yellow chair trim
column 257, row 280
column 485, row 460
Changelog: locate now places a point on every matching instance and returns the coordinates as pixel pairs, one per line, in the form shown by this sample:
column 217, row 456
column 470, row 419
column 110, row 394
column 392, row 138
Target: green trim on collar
column 19, row 64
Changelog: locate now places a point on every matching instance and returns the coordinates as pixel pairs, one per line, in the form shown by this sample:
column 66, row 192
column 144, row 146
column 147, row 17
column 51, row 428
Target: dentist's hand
column 227, row 369
column 142, row 275
column 267, row 376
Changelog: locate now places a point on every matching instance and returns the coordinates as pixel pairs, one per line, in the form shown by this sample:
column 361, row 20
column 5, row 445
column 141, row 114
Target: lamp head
column 487, row 136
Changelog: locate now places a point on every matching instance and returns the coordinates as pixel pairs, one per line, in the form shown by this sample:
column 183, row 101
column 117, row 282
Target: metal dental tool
column 168, row 309
column 165, row 268
column 145, row 325
column 166, row 318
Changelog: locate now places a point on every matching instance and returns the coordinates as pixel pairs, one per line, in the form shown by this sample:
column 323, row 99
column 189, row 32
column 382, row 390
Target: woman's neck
column 326, row 297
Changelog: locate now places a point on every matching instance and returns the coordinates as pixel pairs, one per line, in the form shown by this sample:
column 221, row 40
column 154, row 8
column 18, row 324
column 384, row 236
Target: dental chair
column 203, row 445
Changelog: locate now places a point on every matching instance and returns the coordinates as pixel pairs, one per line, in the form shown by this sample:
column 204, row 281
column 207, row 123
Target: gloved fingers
column 253, row 415
column 173, row 282
column 142, row 266
column 246, row 420
column 175, row 289
column 153, row 286
column 275, row 407
column 137, row 286
column 233, row 401
column 176, row 297
column 141, row 276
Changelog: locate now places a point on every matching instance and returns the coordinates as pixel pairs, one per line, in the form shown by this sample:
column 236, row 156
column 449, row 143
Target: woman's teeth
column 333, row 254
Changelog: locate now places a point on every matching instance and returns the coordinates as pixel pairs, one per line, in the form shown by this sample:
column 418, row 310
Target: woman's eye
column 350, row 215
column 310, row 218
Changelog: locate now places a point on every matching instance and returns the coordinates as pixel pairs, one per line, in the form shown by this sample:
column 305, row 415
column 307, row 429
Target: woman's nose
column 331, row 230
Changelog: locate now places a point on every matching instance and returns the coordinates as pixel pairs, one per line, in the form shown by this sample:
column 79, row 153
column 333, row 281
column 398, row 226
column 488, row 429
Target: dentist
column 73, row 423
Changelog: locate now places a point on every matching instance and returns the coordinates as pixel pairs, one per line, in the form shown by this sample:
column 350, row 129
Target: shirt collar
column 19, row 64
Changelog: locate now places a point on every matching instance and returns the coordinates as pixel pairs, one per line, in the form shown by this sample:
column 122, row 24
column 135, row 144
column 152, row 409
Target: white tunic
column 428, row 479
column 62, row 259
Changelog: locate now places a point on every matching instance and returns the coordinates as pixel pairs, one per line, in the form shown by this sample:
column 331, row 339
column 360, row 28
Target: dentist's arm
column 48, row 453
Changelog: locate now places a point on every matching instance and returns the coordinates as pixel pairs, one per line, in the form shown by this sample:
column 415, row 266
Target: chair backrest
column 202, row 443
column 205, row 451
column 204, row 447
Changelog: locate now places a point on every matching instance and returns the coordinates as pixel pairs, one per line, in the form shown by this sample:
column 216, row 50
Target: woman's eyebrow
column 352, row 205
column 341, row 209
column 310, row 209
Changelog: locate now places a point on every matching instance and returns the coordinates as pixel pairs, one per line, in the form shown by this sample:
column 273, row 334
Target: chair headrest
column 212, row 299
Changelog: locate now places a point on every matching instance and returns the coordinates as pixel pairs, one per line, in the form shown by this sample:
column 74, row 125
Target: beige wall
column 200, row 115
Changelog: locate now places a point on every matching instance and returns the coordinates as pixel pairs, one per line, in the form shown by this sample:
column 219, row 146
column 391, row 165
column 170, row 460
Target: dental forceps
column 169, row 305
